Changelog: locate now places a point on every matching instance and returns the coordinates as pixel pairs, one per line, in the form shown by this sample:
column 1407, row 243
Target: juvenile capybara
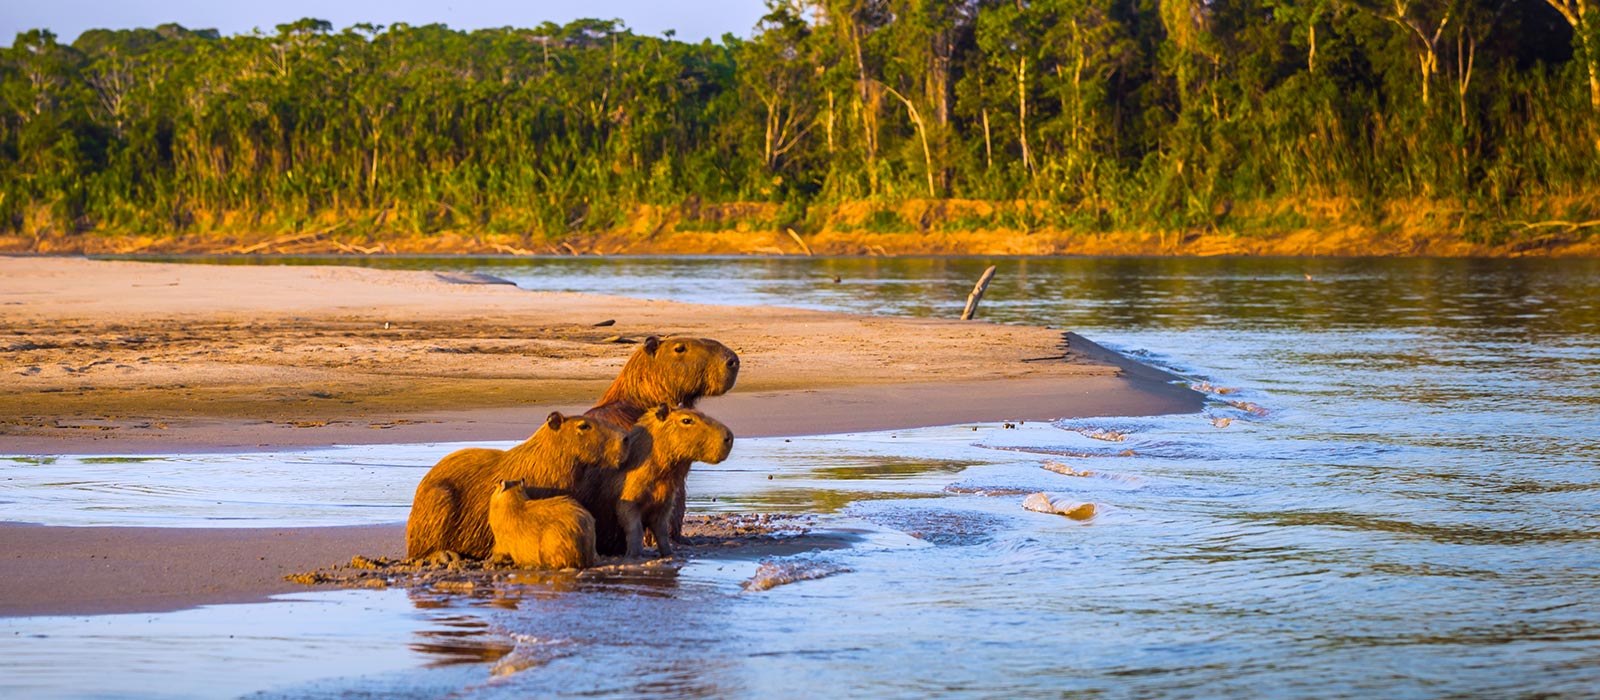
column 450, row 512
column 547, row 533
column 676, row 371
column 625, row 503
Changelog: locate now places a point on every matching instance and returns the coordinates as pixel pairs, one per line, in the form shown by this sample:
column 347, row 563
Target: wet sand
column 128, row 358
column 97, row 570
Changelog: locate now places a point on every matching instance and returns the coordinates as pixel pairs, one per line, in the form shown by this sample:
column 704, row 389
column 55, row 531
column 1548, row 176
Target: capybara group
column 676, row 371
column 590, row 483
column 545, row 533
column 451, row 510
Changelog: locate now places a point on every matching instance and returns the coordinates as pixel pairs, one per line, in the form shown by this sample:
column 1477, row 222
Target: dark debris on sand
column 702, row 535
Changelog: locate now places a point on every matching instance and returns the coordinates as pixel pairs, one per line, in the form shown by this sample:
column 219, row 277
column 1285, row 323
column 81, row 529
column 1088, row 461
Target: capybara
column 625, row 503
column 547, row 533
column 451, row 510
column 676, row 371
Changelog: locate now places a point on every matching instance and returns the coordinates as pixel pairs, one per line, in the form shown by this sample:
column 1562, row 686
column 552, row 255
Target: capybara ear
column 651, row 343
column 554, row 420
column 662, row 411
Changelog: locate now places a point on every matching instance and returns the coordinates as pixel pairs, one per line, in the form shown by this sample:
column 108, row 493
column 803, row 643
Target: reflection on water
column 1391, row 494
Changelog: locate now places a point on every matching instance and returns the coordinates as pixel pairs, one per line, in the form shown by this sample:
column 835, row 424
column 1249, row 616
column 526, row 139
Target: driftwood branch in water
column 977, row 294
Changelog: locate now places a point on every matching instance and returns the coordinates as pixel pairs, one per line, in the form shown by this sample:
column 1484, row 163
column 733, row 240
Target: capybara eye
column 583, row 426
column 687, row 421
column 680, row 348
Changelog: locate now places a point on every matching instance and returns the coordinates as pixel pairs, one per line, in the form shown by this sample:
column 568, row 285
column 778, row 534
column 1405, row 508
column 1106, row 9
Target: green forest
column 1090, row 115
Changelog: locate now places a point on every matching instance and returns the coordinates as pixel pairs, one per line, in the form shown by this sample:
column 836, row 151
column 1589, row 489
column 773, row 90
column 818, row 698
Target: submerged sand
column 130, row 357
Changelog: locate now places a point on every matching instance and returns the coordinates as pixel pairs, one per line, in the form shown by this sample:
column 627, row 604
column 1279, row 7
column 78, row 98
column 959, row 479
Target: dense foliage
column 1109, row 113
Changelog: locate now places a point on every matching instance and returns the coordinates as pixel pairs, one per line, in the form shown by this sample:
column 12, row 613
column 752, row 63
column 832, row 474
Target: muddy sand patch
column 741, row 536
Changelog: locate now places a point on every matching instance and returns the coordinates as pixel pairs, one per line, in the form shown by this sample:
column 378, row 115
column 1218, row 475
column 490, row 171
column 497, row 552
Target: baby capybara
column 546, row 533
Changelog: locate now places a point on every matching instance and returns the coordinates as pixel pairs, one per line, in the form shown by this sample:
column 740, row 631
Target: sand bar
column 104, row 357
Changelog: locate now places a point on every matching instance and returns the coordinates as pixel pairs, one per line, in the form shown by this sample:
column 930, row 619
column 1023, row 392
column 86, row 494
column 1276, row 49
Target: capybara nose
column 733, row 363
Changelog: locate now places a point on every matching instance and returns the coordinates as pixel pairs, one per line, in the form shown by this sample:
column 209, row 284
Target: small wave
column 529, row 652
column 1069, row 470
column 986, row 490
column 1058, row 452
column 780, row 572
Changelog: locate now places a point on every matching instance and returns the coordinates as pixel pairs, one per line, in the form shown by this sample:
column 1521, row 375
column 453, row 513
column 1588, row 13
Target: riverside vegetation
column 1169, row 126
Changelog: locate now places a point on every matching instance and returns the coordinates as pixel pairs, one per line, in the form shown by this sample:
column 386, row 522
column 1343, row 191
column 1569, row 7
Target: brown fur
column 451, row 510
column 548, row 533
column 676, row 371
column 648, row 496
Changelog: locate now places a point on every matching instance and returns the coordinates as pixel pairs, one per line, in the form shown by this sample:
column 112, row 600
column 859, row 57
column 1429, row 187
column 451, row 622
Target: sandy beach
column 143, row 358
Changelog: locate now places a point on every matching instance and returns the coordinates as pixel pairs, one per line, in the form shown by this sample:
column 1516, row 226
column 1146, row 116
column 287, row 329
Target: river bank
column 126, row 358
column 118, row 357
column 915, row 227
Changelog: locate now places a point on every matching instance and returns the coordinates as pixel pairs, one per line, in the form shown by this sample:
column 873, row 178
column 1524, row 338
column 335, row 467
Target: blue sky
column 693, row 19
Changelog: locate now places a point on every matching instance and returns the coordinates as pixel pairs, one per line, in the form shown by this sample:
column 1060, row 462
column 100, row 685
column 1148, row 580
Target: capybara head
column 592, row 443
column 676, row 371
column 686, row 435
column 508, row 495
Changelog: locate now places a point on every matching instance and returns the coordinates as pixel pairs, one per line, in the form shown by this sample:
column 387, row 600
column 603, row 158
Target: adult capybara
column 676, row 371
column 625, row 503
column 451, row 510
column 547, row 533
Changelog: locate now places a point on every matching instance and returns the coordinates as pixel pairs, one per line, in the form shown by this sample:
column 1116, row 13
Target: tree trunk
column 372, row 173
column 988, row 145
column 1311, row 56
column 1589, row 57
column 1425, row 64
column 771, row 124
column 869, row 143
column 829, row 124
column 1022, row 112
column 922, row 131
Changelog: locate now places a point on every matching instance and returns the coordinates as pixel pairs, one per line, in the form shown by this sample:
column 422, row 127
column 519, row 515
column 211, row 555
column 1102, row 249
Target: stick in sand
column 977, row 294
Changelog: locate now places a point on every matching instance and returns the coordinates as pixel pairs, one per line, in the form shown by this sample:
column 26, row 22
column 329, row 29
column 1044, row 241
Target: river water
column 1394, row 492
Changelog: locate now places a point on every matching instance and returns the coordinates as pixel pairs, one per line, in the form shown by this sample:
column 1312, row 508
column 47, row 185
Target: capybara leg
column 629, row 517
column 680, row 505
column 661, row 525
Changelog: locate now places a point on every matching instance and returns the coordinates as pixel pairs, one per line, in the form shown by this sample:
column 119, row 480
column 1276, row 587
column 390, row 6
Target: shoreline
column 1338, row 242
column 139, row 358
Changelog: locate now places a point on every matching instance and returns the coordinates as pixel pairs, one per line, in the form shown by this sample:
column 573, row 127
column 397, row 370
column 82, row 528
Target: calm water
column 1402, row 500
